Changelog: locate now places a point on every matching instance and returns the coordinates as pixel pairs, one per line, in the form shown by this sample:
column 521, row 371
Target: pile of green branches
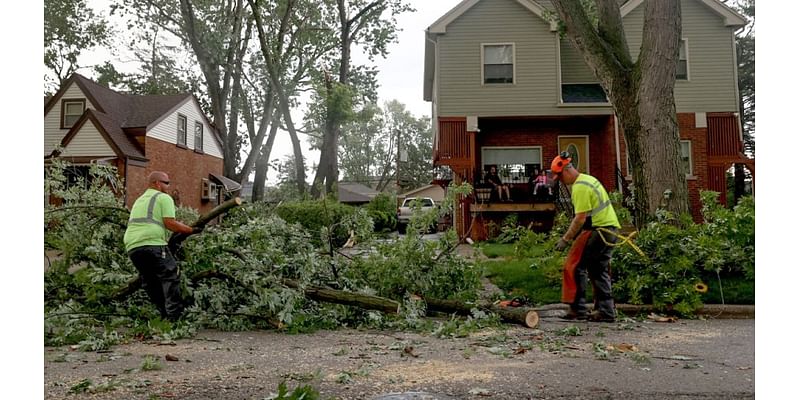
column 247, row 272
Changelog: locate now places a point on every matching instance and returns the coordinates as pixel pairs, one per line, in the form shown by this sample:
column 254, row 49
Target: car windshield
column 422, row 202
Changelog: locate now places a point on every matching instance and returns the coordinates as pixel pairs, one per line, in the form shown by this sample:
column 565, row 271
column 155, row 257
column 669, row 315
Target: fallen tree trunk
column 520, row 315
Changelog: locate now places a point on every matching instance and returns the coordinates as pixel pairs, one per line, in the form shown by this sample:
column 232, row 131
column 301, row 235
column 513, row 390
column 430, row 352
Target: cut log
column 525, row 316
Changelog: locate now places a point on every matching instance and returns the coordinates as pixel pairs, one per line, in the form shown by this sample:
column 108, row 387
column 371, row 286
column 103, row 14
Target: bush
column 383, row 211
column 682, row 257
column 327, row 219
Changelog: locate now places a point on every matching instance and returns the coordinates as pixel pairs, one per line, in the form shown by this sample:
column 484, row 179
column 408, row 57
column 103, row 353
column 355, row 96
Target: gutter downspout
column 616, row 142
column 125, row 196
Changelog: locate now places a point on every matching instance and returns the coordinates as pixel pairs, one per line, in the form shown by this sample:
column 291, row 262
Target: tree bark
column 641, row 92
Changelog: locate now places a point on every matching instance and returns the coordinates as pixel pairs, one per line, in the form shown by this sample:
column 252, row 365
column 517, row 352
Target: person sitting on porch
column 540, row 182
column 497, row 183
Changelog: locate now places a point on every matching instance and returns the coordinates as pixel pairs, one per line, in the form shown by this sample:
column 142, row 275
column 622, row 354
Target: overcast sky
column 399, row 76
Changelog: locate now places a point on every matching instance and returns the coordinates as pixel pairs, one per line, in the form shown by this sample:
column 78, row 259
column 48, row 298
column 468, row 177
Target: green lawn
column 516, row 277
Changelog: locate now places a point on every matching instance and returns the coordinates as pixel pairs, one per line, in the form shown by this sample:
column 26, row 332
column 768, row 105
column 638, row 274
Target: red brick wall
column 545, row 133
column 699, row 180
column 185, row 168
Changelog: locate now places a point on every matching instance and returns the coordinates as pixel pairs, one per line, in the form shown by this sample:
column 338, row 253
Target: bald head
column 158, row 180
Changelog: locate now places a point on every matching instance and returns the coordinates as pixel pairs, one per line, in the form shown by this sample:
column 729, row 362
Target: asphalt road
column 630, row 359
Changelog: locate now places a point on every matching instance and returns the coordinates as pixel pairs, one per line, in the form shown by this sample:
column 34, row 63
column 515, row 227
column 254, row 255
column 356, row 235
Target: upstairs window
column 198, row 136
column 682, row 72
column 498, row 63
column 181, row 130
column 71, row 111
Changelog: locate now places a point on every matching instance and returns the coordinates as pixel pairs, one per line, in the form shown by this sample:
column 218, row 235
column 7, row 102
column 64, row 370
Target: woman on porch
column 498, row 184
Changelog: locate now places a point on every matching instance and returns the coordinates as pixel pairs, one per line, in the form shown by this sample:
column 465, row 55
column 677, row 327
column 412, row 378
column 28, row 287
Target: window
column 498, row 63
column 682, row 72
column 181, row 130
column 198, row 136
column 71, row 111
column 514, row 164
column 686, row 156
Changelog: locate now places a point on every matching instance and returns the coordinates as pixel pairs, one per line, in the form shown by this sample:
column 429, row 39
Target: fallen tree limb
column 520, row 315
column 176, row 240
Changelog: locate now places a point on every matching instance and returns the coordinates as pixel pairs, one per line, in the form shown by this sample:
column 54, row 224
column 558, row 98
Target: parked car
column 407, row 209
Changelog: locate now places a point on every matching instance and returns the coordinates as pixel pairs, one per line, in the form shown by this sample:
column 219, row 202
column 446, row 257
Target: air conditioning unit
column 209, row 190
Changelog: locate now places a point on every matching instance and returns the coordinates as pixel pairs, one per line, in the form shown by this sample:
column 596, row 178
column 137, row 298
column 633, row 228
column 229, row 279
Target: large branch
column 177, row 239
column 520, row 315
column 597, row 52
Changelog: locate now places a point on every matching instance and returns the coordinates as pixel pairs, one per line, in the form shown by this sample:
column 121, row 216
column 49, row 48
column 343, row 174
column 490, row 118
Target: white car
column 407, row 209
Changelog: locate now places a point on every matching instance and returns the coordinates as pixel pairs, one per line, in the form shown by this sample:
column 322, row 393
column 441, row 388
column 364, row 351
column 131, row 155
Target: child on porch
column 541, row 182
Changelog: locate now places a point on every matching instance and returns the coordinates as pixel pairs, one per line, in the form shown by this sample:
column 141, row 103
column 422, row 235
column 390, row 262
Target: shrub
column 328, row 219
column 383, row 211
column 682, row 257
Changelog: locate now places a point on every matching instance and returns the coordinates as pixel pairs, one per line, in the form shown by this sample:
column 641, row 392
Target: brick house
column 138, row 134
column 514, row 94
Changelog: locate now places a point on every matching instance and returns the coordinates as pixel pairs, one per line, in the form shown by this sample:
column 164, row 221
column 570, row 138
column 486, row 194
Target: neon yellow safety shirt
column 589, row 196
column 146, row 223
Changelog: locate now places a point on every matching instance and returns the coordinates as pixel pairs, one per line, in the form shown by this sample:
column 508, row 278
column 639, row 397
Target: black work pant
column 159, row 274
column 596, row 262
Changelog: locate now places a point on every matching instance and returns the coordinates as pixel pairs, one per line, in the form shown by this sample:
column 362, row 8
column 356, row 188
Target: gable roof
column 115, row 111
column 730, row 16
column 440, row 26
column 352, row 192
column 421, row 189
column 122, row 144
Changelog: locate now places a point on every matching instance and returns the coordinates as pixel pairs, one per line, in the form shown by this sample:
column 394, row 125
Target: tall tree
column 159, row 71
column 640, row 91
column 387, row 148
column 70, row 28
column 358, row 22
column 216, row 34
column 746, row 56
column 292, row 37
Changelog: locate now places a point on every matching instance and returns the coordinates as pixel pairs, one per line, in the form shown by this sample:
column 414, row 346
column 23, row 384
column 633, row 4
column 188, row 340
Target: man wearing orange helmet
column 594, row 230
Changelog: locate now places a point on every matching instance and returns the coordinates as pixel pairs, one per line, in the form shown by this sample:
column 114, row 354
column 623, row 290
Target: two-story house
column 85, row 122
column 508, row 91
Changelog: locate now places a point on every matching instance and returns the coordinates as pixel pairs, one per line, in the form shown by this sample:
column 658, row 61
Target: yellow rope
column 624, row 239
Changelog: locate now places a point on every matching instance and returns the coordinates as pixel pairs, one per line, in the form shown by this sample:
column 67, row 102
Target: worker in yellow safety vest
column 151, row 220
column 594, row 231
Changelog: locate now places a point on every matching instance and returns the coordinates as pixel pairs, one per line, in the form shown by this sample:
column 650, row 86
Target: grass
column 517, row 279
column 497, row 250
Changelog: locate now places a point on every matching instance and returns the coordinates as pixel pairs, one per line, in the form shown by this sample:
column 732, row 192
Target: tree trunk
column 665, row 180
column 641, row 93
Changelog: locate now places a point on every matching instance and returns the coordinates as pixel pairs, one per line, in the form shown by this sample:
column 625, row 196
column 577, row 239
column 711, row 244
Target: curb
column 716, row 311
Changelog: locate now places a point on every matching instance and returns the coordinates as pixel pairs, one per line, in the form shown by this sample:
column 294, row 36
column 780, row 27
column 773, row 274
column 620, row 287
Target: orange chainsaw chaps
column 568, row 287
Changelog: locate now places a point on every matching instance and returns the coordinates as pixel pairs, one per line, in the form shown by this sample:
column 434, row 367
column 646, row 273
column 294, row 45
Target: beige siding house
column 507, row 91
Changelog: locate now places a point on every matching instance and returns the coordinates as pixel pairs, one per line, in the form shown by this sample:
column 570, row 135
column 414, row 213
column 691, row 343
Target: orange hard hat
column 560, row 162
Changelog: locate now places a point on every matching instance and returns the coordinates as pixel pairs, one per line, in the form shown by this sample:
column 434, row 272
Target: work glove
column 562, row 244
